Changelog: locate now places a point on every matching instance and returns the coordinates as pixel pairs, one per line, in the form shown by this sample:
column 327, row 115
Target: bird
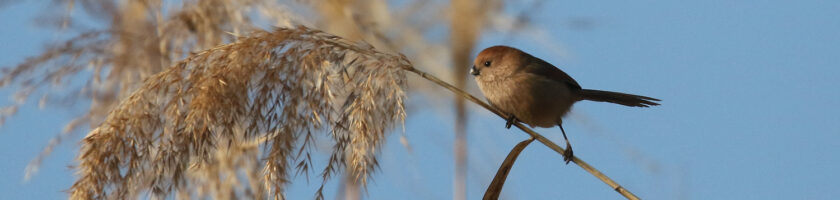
column 535, row 92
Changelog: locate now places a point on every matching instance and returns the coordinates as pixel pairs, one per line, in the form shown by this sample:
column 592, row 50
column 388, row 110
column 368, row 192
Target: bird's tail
column 618, row 98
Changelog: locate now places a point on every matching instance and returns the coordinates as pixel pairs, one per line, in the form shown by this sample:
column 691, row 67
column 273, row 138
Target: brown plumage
column 536, row 92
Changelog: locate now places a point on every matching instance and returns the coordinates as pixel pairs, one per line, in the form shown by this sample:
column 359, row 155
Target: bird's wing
column 543, row 68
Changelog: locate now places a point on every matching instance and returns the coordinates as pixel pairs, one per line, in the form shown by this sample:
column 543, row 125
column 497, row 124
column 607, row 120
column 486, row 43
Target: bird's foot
column 510, row 121
column 568, row 154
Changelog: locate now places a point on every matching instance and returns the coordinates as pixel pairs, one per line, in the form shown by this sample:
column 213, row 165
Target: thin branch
column 495, row 187
column 615, row 186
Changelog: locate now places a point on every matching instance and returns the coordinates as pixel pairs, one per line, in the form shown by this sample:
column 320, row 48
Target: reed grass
column 181, row 105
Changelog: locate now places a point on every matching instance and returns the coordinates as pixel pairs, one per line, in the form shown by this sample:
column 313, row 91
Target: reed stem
column 604, row 178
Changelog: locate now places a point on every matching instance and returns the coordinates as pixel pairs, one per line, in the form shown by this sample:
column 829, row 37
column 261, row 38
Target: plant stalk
column 615, row 186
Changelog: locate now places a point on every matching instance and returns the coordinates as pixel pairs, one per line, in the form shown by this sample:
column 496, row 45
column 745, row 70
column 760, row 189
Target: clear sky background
column 750, row 108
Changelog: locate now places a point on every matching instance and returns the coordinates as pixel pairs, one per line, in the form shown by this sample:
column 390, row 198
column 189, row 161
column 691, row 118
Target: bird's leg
column 510, row 121
column 568, row 155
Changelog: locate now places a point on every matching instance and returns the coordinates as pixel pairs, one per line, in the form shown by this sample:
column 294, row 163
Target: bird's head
column 496, row 61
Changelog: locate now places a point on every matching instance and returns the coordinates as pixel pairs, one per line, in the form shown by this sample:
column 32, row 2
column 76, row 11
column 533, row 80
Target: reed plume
column 280, row 87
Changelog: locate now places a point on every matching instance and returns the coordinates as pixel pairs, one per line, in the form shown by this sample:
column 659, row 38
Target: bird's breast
column 533, row 99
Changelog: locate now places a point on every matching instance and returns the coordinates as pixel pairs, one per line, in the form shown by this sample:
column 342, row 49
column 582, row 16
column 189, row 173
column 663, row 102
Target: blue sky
column 749, row 92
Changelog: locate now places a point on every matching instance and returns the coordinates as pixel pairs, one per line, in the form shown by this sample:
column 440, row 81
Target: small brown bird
column 535, row 92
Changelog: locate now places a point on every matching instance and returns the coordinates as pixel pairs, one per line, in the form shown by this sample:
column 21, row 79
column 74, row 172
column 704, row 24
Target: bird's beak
column 474, row 71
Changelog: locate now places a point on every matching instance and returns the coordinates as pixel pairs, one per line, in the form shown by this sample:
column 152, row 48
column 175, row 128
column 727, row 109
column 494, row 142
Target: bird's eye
column 486, row 63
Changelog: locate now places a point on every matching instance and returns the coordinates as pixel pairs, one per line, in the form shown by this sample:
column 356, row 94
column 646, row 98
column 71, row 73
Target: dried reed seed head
column 281, row 87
